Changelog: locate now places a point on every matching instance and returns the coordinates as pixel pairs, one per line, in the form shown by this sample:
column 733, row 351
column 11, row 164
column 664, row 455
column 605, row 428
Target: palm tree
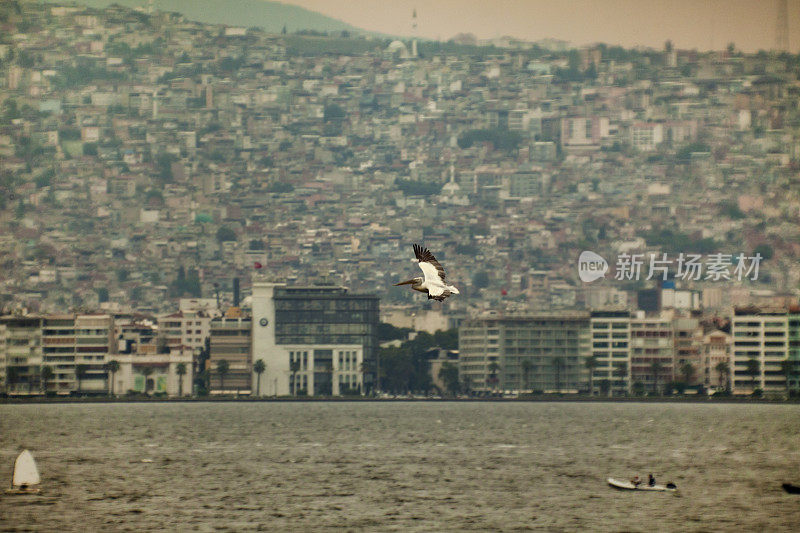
column 112, row 367
column 591, row 364
column 687, row 371
column 33, row 371
column 527, row 365
column 466, row 384
column 47, row 374
column 723, row 369
column 12, row 375
column 180, row 369
column 147, row 372
column 106, row 379
column 294, row 368
column 448, row 374
column 365, row 368
column 558, row 364
column 655, row 369
column 621, row 372
column 80, row 373
column 203, row 382
column 494, row 367
column 753, row 369
column 788, row 371
column 259, row 369
column 222, row 370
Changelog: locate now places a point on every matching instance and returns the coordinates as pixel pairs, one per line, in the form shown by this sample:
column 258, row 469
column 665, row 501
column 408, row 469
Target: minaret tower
column 414, row 34
column 782, row 27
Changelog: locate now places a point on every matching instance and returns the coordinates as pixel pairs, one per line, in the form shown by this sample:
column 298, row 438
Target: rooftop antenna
column 782, row 27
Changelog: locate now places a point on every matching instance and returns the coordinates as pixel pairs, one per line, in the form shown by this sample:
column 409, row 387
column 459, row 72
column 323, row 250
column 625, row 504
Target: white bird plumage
column 432, row 281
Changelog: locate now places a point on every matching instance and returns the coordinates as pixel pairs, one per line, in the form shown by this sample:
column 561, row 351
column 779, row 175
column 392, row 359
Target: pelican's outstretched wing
column 429, row 265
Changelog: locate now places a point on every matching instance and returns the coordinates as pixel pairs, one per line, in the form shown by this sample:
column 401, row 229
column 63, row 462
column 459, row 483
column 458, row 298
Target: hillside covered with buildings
column 148, row 160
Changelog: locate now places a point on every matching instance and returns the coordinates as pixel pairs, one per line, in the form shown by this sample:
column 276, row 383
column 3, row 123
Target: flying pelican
column 432, row 283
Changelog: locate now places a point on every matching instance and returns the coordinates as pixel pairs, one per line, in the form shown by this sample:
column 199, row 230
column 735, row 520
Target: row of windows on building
column 327, row 317
column 751, row 324
column 73, row 332
column 320, row 339
column 348, row 359
column 284, row 306
column 609, row 325
column 303, row 328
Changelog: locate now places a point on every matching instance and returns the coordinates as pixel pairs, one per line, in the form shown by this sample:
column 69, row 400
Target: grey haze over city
column 211, row 214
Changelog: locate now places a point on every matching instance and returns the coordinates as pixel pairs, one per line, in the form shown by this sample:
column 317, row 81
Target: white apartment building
column 21, row 355
column 74, row 346
column 72, row 340
column 611, row 348
column 687, row 334
column 187, row 328
column 716, row 349
column 146, row 370
column 652, row 352
column 761, row 337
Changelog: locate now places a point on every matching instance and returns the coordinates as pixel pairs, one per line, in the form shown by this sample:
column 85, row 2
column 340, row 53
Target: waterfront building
column 230, row 341
column 134, row 331
column 22, row 353
column 687, row 335
column 760, row 344
column 188, row 327
column 793, row 339
column 315, row 340
column 59, row 352
column 716, row 349
column 74, row 346
column 72, row 340
column 652, row 353
column 148, row 370
column 493, row 350
column 611, row 348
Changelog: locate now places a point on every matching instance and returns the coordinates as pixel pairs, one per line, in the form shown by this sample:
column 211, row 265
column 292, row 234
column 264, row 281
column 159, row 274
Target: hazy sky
column 701, row 24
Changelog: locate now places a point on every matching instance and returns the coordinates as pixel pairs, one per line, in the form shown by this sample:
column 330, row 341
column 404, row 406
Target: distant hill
column 271, row 16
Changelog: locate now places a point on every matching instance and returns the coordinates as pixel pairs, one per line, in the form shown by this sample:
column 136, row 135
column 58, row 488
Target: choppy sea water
column 417, row 466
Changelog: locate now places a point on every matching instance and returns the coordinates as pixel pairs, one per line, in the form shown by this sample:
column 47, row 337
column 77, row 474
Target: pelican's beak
column 404, row 282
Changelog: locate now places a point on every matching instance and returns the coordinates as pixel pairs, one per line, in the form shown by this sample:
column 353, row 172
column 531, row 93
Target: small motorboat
column 627, row 485
column 791, row 489
column 26, row 476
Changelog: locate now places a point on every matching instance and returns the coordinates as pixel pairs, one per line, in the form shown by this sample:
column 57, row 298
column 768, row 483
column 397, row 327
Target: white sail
column 25, row 471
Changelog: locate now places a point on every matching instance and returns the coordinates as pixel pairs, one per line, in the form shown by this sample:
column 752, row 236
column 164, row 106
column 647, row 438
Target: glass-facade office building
column 316, row 340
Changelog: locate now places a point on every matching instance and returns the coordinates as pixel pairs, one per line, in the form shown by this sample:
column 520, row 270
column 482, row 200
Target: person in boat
column 651, row 481
column 636, row 481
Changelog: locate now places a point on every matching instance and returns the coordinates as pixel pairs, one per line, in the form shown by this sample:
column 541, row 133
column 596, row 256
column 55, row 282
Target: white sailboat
column 26, row 476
